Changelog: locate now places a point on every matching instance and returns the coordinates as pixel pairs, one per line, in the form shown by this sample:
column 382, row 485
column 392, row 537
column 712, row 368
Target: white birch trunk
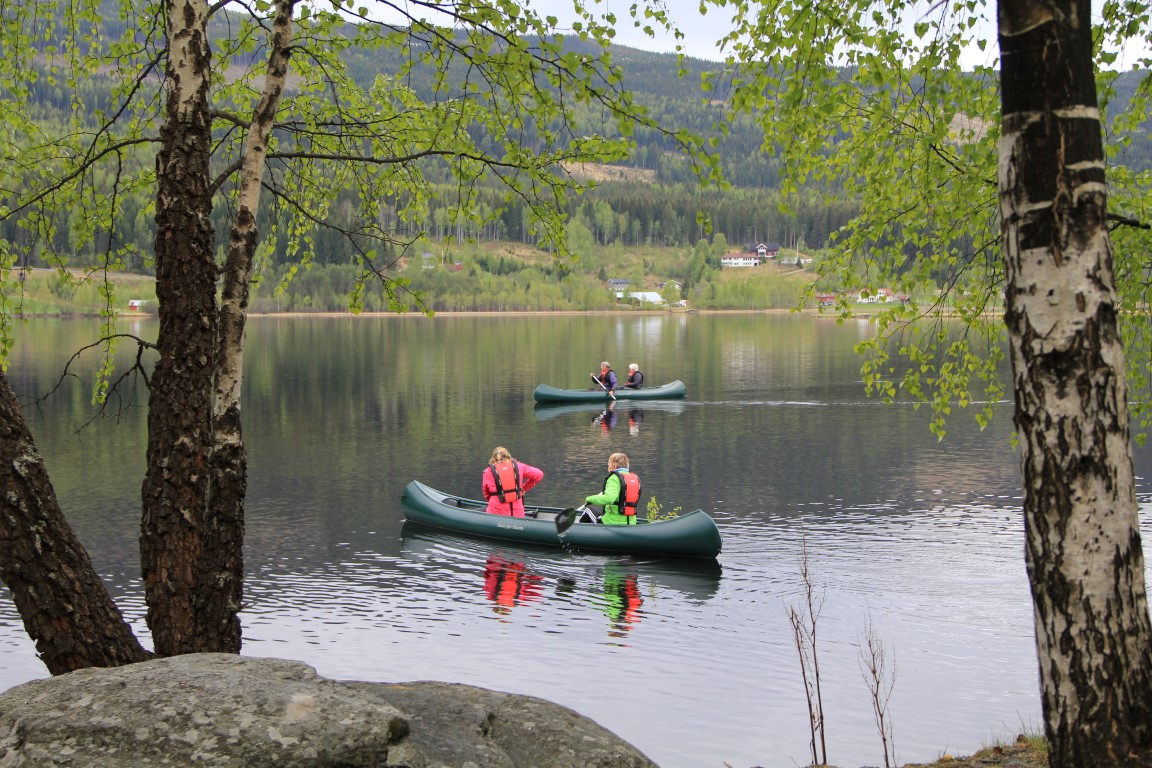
column 1083, row 548
column 229, row 458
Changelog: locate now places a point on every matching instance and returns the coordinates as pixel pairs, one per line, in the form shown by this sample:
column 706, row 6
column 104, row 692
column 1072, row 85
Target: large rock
column 224, row 711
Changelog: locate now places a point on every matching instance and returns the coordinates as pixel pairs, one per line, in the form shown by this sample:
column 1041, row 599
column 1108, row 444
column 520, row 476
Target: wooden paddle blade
column 565, row 518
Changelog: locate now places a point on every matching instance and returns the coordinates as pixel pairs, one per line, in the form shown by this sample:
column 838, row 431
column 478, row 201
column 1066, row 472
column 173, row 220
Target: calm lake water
column 694, row 664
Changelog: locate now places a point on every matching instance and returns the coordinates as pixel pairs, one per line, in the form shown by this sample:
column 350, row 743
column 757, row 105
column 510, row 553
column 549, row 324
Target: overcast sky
column 701, row 31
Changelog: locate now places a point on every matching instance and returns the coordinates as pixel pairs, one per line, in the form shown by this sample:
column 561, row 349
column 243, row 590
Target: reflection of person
column 607, row 377
column 508, row 583
column 506, row 481
column 635, row 417
column 622, row 600
column 607, row 417
column 635, row 378
column 620, row 495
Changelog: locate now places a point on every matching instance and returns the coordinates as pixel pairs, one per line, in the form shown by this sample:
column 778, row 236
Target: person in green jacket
column 621, row 493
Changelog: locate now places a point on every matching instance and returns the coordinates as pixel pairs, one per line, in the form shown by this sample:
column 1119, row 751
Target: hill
column 652, row 200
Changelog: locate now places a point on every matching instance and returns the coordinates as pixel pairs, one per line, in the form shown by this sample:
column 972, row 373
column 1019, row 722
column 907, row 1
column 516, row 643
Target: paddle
column 565, row 518
column 593, row 377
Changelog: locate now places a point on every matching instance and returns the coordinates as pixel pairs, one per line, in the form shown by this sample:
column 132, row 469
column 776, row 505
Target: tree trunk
column 224, row 567
column 175, row 492
column 65, row 607
column 1083, row 549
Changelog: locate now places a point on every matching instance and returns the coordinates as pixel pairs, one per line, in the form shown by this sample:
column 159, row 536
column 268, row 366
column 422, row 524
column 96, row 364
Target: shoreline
column 538, row 313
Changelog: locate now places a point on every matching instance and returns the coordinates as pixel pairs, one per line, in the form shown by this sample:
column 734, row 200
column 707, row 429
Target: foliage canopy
column 871, row 102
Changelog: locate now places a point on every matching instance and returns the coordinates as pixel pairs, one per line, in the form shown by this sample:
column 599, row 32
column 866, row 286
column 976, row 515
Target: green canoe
column 547, row 394
column 689, row 535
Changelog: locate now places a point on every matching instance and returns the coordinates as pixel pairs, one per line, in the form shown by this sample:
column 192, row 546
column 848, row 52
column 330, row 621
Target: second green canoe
column 670, row 391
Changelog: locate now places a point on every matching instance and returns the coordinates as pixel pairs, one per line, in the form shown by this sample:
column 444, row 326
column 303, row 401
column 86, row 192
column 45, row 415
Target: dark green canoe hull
column 670, row 391
column 689, row 535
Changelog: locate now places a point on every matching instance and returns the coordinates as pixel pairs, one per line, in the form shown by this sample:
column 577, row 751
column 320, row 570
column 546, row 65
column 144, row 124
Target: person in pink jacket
column 506, row 481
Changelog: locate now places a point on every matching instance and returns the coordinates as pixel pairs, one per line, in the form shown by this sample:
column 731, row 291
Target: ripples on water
column 693, row 663
column 699, row 669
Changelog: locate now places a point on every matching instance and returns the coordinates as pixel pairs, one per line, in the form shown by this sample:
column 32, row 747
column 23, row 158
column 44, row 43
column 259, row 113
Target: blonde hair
column 500, row 453
column 618, row 460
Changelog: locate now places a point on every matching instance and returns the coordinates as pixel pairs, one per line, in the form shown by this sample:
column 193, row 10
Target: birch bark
column 65, row 607
column 224, row 566
column 175, row 489
column 1083, row 548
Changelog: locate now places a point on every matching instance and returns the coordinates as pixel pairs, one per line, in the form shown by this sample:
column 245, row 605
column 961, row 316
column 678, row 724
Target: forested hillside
column 653, row 199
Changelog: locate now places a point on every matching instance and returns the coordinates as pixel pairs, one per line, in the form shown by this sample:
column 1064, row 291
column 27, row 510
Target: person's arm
column 530, row 476
column 611, row 380
column 488, row 485
column 610, row 494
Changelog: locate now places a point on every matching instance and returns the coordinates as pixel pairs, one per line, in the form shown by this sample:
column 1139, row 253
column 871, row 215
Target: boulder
column 227, row 711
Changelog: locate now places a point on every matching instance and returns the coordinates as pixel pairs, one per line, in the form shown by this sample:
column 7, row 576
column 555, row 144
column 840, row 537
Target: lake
column 693, row 663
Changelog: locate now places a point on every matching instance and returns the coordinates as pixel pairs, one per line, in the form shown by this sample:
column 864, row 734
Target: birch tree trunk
column 224, row 563
column 175, row 491
column 1083, row 549
column 65, row 607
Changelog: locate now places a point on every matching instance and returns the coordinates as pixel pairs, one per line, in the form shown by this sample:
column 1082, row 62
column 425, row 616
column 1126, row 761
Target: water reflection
column 635, row 419
column 609, row 417
column 606, row 419
column 514, row 576
column 508, row 583
column 633, row 408
column 621, row 601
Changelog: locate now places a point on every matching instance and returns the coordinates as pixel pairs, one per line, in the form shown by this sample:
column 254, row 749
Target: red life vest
column 507, row 476
column 629, row 492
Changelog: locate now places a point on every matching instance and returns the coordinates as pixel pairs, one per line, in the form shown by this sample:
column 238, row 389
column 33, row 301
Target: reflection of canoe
column 551, row 410
column 547, row 394
column 694, row 578
column 689, row 535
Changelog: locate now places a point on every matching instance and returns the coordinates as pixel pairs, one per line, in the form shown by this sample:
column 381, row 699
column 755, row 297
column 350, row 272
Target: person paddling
column 620, row 495
column 606, row 379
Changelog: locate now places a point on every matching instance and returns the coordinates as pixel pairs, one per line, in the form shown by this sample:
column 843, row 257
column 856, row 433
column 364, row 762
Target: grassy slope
column 47, row 292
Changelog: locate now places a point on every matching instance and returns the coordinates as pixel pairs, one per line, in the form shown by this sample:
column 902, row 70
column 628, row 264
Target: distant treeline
column 666, row 213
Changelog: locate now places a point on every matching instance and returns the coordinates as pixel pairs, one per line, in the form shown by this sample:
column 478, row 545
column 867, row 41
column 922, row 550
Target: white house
column 740, row 260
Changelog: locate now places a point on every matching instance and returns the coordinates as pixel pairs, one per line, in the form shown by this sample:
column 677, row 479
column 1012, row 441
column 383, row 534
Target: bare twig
column 804, row 621
column 136, row 369
column 880, row 679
